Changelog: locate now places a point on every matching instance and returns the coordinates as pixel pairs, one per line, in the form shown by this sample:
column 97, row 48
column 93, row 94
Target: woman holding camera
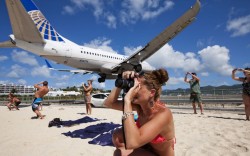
column 153, row 132
column 246, row 88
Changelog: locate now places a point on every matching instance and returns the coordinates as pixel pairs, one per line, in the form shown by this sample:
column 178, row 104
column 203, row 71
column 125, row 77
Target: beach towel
column 93, row 131
column 57, row 122
column 104, row 139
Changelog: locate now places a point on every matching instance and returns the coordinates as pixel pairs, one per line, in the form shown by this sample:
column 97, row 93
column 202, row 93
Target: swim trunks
column 36, row 102
column 17, row 103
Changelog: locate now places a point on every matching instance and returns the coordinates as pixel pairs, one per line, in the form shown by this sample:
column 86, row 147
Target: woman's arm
column 234, row 77
column 137, row 137
column 112, row 102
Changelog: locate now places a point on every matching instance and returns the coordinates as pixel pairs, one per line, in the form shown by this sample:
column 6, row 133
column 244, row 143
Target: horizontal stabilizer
column 7, row 44
column 68, row 70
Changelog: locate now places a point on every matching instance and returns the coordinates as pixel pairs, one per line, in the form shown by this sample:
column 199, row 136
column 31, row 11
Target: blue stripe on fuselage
column 29, row 5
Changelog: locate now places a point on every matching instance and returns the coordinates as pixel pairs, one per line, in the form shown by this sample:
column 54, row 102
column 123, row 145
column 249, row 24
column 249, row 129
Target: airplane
column 32, row 32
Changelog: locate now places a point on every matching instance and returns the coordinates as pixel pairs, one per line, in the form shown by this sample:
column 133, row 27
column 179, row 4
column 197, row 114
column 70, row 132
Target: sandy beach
column 213, row 134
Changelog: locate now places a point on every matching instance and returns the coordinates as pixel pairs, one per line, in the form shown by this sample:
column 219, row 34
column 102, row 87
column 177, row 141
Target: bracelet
column 126, row 115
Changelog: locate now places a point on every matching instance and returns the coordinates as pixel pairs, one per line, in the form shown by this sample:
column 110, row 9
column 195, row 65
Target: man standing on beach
column 87, row 96
column 195, row 91
column 41, row 91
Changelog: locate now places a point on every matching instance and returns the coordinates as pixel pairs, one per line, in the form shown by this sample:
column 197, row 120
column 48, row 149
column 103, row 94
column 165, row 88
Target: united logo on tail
column 46, row 30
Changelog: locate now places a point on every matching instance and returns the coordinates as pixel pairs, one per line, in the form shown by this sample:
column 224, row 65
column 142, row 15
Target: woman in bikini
column 153, row 133
column 246, row 88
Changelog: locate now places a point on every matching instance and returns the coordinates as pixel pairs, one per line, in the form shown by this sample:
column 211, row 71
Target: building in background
column 5, row 89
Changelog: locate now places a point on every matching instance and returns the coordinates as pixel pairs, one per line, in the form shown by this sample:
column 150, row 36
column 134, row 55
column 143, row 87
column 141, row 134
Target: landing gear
column 101, row 79
column 138, row 68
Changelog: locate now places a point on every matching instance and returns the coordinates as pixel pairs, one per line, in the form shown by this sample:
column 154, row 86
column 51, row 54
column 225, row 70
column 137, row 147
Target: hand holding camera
column 126, row 80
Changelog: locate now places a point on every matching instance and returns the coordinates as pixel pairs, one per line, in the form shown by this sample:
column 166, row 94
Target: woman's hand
column 129, row 75
column 133, row 90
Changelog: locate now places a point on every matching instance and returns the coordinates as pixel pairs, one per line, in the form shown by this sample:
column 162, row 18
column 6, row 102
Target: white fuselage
column 76, row 56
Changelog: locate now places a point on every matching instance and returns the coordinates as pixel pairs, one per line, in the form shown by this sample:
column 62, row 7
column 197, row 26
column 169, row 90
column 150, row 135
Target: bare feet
column 42, row 117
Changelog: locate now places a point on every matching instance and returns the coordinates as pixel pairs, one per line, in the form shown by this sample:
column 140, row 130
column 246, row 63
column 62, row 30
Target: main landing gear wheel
column 101, row 79
column 138, row 68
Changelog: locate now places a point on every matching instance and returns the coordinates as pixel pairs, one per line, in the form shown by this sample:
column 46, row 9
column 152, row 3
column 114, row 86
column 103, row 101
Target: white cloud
column 205, row 74
column 216, row 59
column 174, row 80
column 16, row 71
column 5, row 82
column 131, row 50
column 239, row 26
column 96, row 84
column 63, row 77
column 41, row 72
column 68, row 10
column 212, row 59
column 111, row 20
column 61, row 84
column 101, row 43
column 170, row 58
column 131, row 10
column 3, row 58
column 134, row 10
column 24, row 57
column 22, row 81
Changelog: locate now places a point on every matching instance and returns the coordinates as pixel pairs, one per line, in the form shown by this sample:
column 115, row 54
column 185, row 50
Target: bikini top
column 158, row 139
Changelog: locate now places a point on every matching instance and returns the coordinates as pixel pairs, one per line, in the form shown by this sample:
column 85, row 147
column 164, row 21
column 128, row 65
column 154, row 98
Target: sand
column 213, row 134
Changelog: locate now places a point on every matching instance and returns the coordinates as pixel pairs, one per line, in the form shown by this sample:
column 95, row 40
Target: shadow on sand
column 228, row 118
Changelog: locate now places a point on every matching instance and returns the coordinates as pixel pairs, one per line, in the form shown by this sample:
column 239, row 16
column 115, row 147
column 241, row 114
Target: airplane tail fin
column 29, row 24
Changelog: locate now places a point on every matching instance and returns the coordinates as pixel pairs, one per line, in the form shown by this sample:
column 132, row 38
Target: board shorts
column 195, row 97
column 36, row 102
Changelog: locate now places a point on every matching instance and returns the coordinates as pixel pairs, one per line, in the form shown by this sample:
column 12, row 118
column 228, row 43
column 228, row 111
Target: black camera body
column 124, row 84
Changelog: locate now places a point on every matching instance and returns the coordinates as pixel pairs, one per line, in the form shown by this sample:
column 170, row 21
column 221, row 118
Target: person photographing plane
column 39, row 94
column 246, row 88
column 87, row 96
column 153, row 133
column 195, row 91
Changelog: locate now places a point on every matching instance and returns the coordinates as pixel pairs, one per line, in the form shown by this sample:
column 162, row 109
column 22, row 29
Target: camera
column 124, row 84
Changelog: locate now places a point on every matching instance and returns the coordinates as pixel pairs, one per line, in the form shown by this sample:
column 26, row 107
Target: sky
column 215, row 43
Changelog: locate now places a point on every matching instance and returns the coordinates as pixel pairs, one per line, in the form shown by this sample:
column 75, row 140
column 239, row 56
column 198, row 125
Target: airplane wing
column 164, row 37
column 22, row 25
column 68, row 70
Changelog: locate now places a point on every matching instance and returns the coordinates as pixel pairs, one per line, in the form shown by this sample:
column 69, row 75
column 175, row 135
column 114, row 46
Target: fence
column 220, row 96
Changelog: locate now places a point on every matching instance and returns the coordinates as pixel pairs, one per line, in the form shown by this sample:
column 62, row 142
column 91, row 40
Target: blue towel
column 103, row 131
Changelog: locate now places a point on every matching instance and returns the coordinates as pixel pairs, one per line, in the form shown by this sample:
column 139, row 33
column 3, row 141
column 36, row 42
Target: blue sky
column 214, row 44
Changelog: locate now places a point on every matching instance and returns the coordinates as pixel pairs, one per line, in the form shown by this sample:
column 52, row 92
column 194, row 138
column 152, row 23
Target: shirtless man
column 87, row 96
column 41, row 91
column 13, row 102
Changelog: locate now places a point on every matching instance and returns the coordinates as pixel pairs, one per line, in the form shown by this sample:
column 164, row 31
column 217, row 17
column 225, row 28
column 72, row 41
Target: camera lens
column 124, row 84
